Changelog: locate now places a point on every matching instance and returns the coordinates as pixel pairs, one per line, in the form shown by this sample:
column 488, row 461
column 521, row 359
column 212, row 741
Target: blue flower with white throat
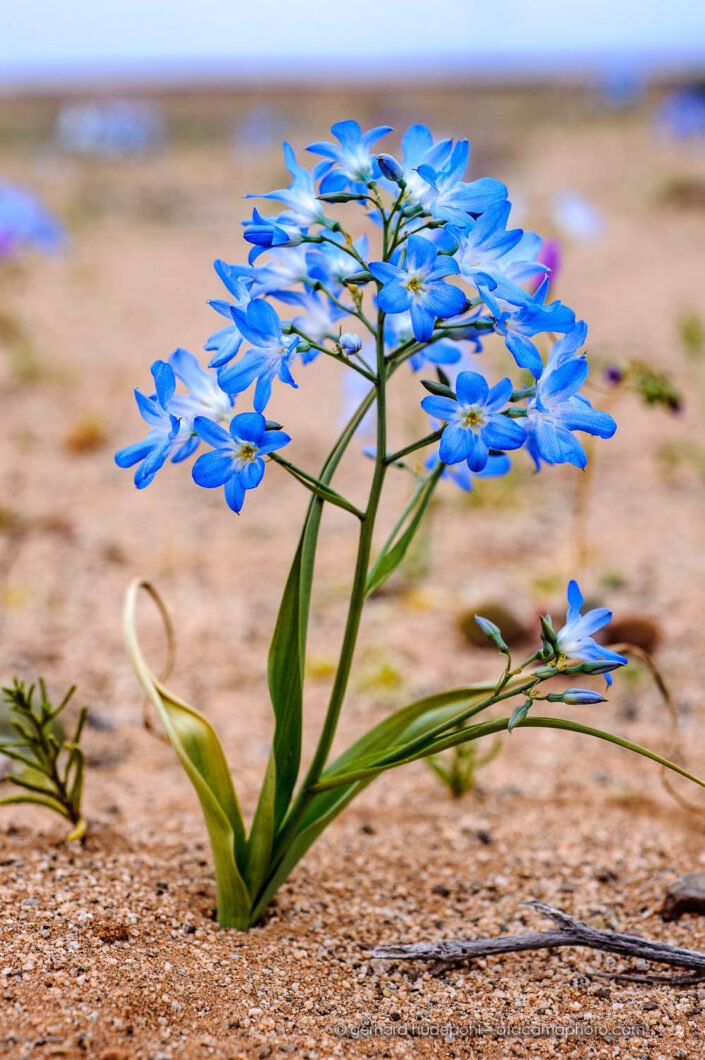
column 419, row 286
column 236, row 459
column 474, row 420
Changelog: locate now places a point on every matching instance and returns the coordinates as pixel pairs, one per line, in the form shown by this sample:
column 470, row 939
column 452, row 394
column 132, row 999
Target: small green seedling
column 458, row 770
column 53, row 767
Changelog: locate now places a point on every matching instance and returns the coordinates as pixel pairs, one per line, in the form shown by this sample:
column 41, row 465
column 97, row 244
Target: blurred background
column 131, row 134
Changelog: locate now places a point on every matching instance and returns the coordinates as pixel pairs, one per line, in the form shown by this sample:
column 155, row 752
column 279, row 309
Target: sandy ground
column 110, row 950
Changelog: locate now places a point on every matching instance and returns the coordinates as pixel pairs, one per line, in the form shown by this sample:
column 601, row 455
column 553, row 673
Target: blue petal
column 471, row 388
column 478, row 454
column 503, row 433
column 421, row 322
column 251, row 474
column 444, row 300
column 248, row 427
column 212, row 433
column 456, row 444
column 443, row 408
column 212, row 469
column 273, row 440
column 234, row 493
column 393, row 298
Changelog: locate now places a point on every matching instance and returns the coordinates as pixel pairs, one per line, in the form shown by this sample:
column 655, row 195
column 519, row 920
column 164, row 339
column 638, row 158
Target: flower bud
column 492, row 632
column 603, row 666
column 439, row 389
column 582, row 697
column 390, row 168
column 350, row 343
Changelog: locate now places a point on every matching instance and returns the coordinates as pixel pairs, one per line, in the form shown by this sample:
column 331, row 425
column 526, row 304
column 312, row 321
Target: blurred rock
column 686, row 895
column 513, row 630
column 640, row 630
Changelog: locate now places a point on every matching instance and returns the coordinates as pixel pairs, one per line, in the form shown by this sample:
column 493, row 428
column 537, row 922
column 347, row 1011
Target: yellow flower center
column 473, row 418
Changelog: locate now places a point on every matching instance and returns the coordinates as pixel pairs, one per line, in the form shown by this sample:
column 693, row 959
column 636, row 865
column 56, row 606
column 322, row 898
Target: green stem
column 355, row 607
column 321, row 489
column 348, row 362
column 413, row 446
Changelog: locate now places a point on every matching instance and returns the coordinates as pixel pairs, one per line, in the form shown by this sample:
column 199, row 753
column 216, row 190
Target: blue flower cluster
column 439, row 273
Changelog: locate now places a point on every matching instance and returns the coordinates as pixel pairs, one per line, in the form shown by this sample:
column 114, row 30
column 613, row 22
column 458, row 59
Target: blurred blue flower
column 418, row 286
column 25, row 223
column 114, row 128
column 236, row 459
column 474, row 421
column 577, row 218
column 682, row 113
column 497, row 465
column 269, row 358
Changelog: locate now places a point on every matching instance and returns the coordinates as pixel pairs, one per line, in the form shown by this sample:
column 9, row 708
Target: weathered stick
column 571, row 932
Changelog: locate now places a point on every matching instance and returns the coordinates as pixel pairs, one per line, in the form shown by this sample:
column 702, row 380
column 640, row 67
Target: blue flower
column 419, row 286
column 351, row 156
column 25, row 223
column 225, row 343
column 304, row 208
column 488, row 253
column 318, row 319
column 269, row 358
column 497, row 465
column 285, row 267
column 557, row 410
column 332, row 264
column 575, row 640
column 475, row 423
column 448, row 198
column 169, row 437
column 266, row 232
column 205, row 397
column 682, row 114
column 235, row 461
column 420, row 150
column 520, row 320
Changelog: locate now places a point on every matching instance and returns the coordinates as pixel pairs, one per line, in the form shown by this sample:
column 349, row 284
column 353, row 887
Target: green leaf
column 259, row 847
column 286, row 663
column 198, row 749
column 38, row 800
column 285, row 674
column 394, row 551
column 488, row 728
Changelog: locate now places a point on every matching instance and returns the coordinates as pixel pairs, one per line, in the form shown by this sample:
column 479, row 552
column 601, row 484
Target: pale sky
column 46, row 39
